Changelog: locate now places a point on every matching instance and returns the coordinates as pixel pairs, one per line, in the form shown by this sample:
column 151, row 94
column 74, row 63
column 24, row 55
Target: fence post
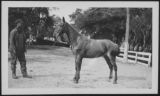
column 141, row 54
column 149, row 60
column 126, row 36
column 136, row 57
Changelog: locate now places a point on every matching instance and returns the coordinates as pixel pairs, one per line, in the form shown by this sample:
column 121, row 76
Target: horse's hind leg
column 113, row 62
column 110, row 66
column 78, row 62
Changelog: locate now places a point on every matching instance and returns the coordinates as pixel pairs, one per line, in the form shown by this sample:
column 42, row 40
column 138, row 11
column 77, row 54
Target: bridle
column 65, row 30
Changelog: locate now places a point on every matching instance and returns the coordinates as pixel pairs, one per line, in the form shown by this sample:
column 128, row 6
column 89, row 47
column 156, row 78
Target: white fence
column 137, row 57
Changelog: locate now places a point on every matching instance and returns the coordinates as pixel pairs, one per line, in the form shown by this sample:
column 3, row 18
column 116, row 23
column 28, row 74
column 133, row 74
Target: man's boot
column 13, row 68
column 24, row 70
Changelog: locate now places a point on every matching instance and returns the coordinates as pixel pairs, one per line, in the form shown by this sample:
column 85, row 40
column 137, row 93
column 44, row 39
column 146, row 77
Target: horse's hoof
column 14, row 77
column 75, row 81
column 110, row 77
column 109, row 80
column 115, row 82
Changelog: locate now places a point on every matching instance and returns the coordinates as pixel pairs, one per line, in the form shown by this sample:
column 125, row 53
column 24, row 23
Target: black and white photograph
column 77, row 47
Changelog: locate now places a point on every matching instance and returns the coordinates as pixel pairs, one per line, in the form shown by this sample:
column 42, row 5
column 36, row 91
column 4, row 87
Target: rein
column 72, row 34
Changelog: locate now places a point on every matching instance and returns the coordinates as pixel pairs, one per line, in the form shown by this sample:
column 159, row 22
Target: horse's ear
column 63, row 20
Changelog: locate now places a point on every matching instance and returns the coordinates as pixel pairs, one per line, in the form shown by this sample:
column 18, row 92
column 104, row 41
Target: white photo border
column 131, row 4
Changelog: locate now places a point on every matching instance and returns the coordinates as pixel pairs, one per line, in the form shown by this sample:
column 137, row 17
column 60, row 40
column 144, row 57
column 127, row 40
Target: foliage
column 36, row 17
column 110, row 23
column 101, row 21
column 141, row 28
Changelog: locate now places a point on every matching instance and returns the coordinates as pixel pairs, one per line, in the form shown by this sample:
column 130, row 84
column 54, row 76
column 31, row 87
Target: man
column 18, row 49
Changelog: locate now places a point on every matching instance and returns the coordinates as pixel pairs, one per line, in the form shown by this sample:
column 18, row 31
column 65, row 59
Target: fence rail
column 137, row 57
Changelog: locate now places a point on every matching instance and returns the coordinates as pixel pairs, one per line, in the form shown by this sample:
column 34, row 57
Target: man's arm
column 25, row 42
column 12, row 40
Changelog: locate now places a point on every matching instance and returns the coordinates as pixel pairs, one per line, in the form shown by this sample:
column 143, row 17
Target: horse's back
column 107, row 46
column 111, row 47
column 94, row 48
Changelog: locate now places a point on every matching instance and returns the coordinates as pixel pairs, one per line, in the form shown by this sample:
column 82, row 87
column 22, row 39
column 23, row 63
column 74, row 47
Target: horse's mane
column 75, row 30
column 74, row 34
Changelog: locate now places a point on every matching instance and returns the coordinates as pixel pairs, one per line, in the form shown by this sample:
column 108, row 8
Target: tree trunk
column 126, row 37
column 144, row 43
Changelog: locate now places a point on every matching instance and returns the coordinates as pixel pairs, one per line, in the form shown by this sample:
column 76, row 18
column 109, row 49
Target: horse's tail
column 118, row 50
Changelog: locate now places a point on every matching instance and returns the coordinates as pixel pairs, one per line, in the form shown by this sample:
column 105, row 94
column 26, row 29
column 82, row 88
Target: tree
column 126, row 37
column 141, row 29
column 110, row 23
column 36, row 17
column 101, row 22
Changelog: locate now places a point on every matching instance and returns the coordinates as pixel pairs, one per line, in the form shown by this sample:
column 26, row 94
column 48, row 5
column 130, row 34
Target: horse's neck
column 73, row 35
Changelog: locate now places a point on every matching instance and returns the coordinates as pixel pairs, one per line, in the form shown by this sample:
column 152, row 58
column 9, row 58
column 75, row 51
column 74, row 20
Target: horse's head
column 70, row 31
column 62, row 30
column 63, row 27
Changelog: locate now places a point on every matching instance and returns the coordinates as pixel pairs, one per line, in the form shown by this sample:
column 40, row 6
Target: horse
column 83, row 47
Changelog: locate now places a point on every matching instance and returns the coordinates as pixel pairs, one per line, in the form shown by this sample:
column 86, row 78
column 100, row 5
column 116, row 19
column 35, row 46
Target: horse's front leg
column 78, row 62
column 113, row 62
column 115, row 69
column 110, row 67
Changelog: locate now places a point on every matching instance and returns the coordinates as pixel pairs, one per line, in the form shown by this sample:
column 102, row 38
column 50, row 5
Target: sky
column 65, row 11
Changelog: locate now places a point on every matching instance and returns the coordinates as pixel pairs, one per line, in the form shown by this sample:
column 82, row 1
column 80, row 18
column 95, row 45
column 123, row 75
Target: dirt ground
column 53, row 67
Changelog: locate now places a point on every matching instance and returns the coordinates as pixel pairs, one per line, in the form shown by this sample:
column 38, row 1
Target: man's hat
column 19, row 21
